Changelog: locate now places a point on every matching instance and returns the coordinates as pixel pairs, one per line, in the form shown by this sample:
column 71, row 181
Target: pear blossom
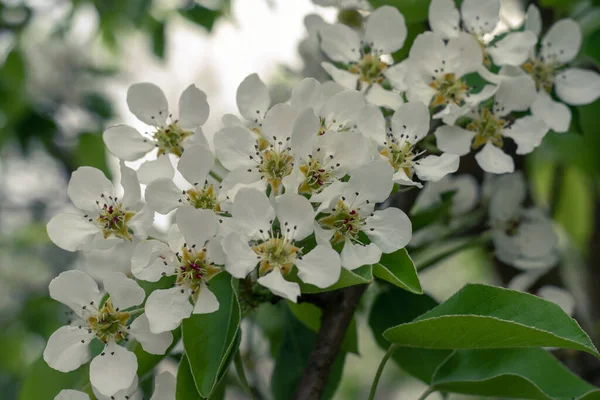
column 396, row 144
column 435, row 74
column 349, row 215
column 268, row 235
column 164, row 389
column 191, row 255
column 491, row 124
column 103, row 219
column 384, row 33
column 550, row 69
column 480, row 18
column 163, row 196
column 110, row 322
column 168, row 135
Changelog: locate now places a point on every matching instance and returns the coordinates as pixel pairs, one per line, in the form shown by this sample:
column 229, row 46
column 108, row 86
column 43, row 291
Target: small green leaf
column 359, row 276
column 159, row 38
column 186, row 387
column 487, row 317
column 44, row 383
column 398, row 269
column 202, row 16
column 209, row 339
column 395, row 306
column 519, row 373
column 310, row 315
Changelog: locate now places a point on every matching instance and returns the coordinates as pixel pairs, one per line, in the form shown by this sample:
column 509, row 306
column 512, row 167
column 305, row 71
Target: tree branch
column 337, row 315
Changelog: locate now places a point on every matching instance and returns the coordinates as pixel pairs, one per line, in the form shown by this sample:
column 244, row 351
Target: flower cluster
column 304, row 201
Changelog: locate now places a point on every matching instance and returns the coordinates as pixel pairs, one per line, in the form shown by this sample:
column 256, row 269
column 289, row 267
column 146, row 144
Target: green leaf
column 310, row 315
column 186, row 387
column 359, row 276
column 395, row 306
column 209, row 339
column 159, row 38
column 435, row 214
column 297, row 344
column 202, row 16
column 486, row 317
column 413, row 10
column 44, row 383
column 519, row 373
column 90, row 151
column 398, row 269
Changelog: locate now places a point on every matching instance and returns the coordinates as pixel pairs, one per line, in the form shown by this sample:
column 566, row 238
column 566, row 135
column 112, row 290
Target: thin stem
column 384, row 360
column 426, row 394
column 215, row 176
column 137, row 311
column 239, row 367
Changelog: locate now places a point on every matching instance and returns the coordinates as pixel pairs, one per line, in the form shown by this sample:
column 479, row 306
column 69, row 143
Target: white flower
column 114, row 369
column 164, row 389
column 259, row 240
column 344, row 4
column 99, row 262
column 409, row 124
column 169, row 136
column 490, row 125
column 550, row 69
column 385, row 33
column 349, row 215
column 103, row 219
column 191, row 255
column 480, row 18
column 253, row 101
column 163, row 196
column 436, row 69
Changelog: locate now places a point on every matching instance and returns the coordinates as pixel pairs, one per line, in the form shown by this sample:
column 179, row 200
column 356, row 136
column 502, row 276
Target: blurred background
column 65, row 66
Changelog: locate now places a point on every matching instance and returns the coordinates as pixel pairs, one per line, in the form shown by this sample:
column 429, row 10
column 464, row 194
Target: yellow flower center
column 276, row 163
column 399, row 156
column 109, row 324
column 449, row 89
column 204, row 198
column 487, row 128
column 113, row 218
column 345, row 221
column 194, row 269
column 277, row 252
column 369, row 69
column 542, row 73
column 316, row 177
column 170, row 139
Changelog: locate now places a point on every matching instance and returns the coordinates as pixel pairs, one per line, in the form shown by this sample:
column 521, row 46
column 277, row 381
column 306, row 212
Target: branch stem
column 426, row 394
column 239, row 367
column 384, row 360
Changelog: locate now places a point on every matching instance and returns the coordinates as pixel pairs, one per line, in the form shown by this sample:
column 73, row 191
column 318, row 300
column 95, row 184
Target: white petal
column 163, row 196
column 398, row 75
column 197, row 225
column 252, row 211
column 241, row 260
column 65, row 351
column 401, row 178
column 193, row 108
column 480, row 16
column 148, row 103
column 241, row 178
column 141, row 223
column 71, row 232
column 278, row 122
column 164, row 387
column 427, row 52
column 527, row 132
column 433, row 168
column 307, row 93
column 275, row 282
column 296, row 215
column 559, row 296
column 514, row 94
column 343, row 107
column 150, row 259
column 385, row 30
column 113, row 371
column 214, row 251
column 320, row 267
column 389, row 229
column 444, row 18
column 159, row 168
column 86, row 186
column 124, row 292
column 577, row 86
column 454, row 140
column 533, row 20
column 131, row 392
column 356, row 255
column 513, row 49
column 166, row 308
column 126, row 143
column 340, row 43
column 231, row 120
column 75, row 289
column 554, row 114
column 197, row 139
column 206, row 302
column 411, row 122
column 304, row 133
column 371, row 123
column 132, row 193
column 151, row 342
column 195, row 164
column 68, row 394
column 350, row 150
column 373, row 181
column 253, row 98
column 234, row 146
column 562, row 41
column 347, row 79
column 493, row 160
column 526, row 279
column 509, row 192
column 380, row 97
column 465, row 53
